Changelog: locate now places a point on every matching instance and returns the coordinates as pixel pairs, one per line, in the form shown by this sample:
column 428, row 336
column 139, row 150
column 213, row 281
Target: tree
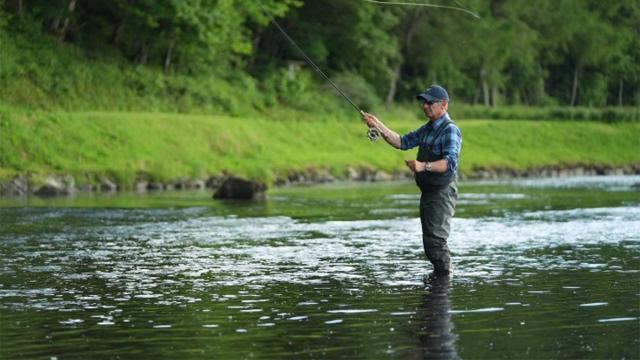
column 576, row 52
column 340, row 36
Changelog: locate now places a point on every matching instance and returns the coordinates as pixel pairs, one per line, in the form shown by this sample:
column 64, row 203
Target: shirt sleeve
column 451, row 144
column 412, row 139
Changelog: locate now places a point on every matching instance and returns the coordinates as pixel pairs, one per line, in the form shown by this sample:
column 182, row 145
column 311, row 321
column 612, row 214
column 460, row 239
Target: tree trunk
column 620, row 92
column 485, row 87
column 167, row 60
column 141, row 58
column 526, row 97
column 495, row 96
column 62, row 32
column 255, row 42
column 406, row 40
column 16, row 6
column 55, row 25
column 411, row 30
column 540, row 93
column 117, row 34
column 574, row 88
column 393, row 85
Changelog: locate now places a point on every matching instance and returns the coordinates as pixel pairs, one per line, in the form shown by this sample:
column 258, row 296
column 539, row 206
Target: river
column 544, row 268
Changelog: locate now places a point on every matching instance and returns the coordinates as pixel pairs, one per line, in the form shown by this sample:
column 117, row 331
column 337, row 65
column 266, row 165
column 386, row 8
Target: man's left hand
column 416, row 166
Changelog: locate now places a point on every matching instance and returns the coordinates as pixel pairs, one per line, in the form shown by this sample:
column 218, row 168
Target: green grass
column 162, row 146
column 527, row 144
column 608, row 114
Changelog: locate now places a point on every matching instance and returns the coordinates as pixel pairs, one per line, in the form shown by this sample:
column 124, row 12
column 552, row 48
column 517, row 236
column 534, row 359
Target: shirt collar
column 439, row 121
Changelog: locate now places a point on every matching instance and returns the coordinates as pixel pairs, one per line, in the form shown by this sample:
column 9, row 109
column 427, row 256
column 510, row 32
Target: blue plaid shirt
column 448, row 145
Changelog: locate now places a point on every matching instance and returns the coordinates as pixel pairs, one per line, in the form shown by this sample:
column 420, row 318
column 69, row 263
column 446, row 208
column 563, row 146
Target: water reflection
column 437, row 340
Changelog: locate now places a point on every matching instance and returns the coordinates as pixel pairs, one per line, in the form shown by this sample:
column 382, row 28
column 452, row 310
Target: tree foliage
column 546, row 52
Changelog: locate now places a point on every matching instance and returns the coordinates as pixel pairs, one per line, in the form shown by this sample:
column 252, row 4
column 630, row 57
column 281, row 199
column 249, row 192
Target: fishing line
column 373, row 134
column 423, row 5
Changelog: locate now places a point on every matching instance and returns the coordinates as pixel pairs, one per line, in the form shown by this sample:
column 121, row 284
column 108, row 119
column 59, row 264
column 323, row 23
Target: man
column 435, row 171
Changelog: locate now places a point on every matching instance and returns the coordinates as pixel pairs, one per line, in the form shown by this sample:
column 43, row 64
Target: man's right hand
column 388, row 135
column 370, row 120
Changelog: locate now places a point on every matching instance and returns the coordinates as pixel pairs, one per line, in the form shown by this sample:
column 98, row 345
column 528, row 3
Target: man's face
column 434, row 110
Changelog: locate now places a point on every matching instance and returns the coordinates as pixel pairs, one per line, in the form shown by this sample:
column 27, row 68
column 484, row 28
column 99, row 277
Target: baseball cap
column 434, row 93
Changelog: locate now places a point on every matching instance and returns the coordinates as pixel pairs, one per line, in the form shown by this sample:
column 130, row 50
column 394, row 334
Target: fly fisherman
column 435, row 171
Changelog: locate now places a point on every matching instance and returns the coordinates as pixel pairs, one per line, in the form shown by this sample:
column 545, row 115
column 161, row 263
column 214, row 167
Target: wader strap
column 440, row 131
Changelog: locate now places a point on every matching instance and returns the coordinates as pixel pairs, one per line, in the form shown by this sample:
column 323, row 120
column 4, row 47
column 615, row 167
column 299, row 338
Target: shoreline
column 61, row 185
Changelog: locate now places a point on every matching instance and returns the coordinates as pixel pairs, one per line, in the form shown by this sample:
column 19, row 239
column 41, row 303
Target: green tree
column 340, row 36
column 575, row 52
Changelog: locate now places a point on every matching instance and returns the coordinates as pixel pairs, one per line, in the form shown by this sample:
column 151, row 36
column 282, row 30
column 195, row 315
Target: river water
column 546, row 268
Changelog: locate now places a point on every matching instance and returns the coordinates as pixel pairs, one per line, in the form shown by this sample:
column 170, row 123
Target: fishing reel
column 373, row 134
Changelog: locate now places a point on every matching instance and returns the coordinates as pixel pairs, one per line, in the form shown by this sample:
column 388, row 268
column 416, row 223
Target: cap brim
column 425, row 97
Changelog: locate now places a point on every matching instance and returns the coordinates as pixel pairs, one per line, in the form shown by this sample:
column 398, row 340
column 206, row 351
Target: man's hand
column 391, row 137
column 370, row 120
column 416, row 166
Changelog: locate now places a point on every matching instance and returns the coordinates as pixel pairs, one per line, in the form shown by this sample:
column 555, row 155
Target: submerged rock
column 239, row 188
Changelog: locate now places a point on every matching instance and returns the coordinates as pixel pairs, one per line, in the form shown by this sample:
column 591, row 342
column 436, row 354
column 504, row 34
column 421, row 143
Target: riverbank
column 57, row 185
column 106, row 151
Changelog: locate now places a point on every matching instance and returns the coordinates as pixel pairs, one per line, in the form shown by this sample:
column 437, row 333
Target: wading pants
column 436, row 210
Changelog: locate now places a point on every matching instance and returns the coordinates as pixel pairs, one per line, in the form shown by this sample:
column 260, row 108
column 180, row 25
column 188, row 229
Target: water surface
column 543, row 268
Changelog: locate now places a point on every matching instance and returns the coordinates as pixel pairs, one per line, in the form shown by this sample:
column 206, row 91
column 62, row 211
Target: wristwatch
column 428, row 166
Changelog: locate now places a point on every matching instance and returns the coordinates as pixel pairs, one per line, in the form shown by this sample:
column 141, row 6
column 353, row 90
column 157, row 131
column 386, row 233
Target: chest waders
column 437, row 204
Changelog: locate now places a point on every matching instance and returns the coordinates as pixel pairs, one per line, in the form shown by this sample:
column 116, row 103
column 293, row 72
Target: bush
column 607, row 114
column 357, row 89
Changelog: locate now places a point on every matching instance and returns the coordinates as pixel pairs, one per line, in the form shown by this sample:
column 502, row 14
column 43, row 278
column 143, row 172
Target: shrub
column 357, row 89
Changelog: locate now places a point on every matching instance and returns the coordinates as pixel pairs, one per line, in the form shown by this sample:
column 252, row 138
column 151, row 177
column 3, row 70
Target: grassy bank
column 163, row 147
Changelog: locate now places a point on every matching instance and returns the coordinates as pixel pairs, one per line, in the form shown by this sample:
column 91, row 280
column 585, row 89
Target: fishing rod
column 373, row 134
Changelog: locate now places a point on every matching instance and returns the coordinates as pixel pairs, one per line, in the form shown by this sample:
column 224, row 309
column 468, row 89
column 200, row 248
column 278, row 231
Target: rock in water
column 239, row 188
column 56, row 186
column 16, row 187
column 107, row 185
